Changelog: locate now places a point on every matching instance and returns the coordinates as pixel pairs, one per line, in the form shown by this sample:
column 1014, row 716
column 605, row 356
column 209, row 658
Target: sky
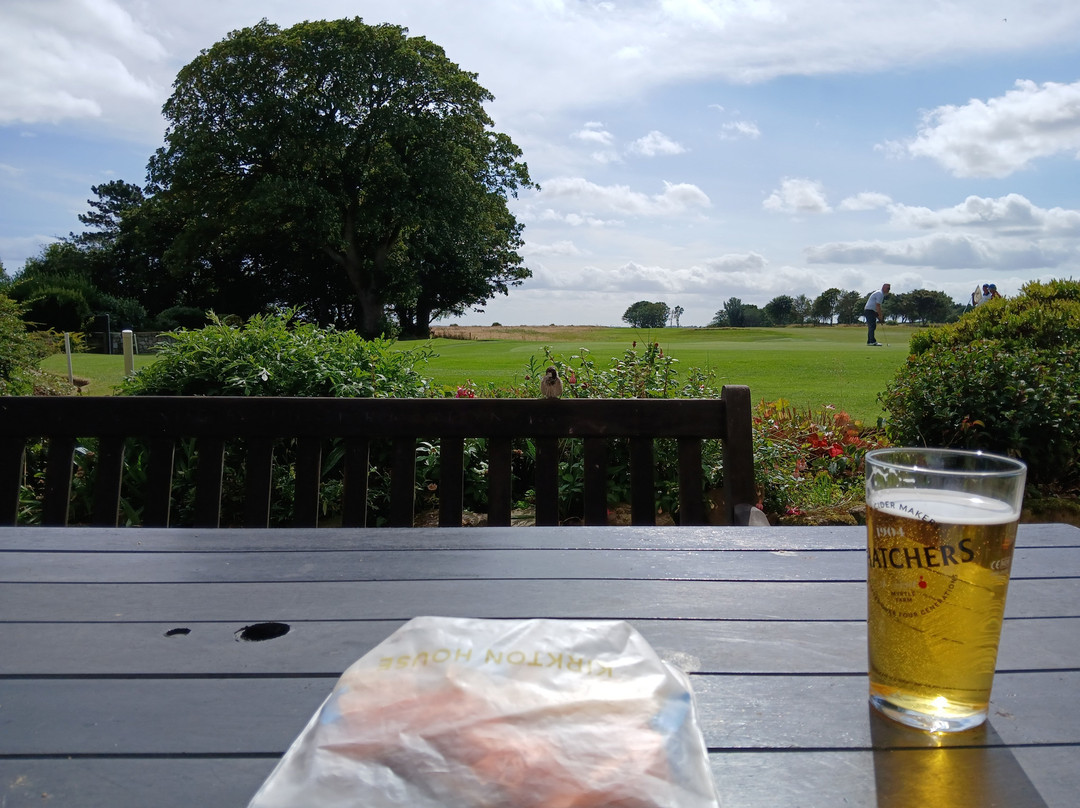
column 687, row 151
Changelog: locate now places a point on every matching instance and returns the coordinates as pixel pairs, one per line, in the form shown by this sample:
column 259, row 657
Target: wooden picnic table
column 126, row 678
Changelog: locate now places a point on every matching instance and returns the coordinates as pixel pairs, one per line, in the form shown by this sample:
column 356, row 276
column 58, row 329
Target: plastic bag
column 508, row 713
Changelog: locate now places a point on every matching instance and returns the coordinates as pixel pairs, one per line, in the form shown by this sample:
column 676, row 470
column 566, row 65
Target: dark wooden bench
column 312, row 422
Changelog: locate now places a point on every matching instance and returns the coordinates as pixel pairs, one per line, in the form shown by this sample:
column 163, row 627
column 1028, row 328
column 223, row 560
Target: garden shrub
column 177, row 317
column 20, row 352
column 278, row 355
column 643, row 371
column 803, row 460
column 1021, row 402
column 1005, row 378
column 271, row 355
column 806, row 460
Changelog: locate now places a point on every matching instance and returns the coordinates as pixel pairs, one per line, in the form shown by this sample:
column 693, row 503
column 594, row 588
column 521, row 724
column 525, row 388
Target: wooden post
column 67, row 351
column 129, row 353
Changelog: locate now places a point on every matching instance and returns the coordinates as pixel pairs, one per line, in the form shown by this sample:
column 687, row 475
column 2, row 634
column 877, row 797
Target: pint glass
column 941, row 525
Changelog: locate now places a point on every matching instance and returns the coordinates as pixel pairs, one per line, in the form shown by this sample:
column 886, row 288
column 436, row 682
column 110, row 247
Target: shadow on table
column 972, row 768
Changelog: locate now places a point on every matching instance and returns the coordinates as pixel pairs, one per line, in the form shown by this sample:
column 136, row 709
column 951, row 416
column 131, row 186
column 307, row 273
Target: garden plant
column 1005, row 378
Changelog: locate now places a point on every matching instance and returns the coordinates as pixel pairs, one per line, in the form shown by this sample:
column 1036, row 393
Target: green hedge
column 1005, row 378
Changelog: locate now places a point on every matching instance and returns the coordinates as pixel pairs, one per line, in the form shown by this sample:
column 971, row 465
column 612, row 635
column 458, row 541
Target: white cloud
column 87, row 59
column 713, row 280
column 867, row 200
column 796, row 195
column 566, row 248
column 943, row 251
column 594, row 132
column 638, row 277
column 1011, row 214
column 113, row 50
column 653, row 144
column 741, row 262
column 998, row 137
column 676, row 198
column 737, row 130
column 574, row 219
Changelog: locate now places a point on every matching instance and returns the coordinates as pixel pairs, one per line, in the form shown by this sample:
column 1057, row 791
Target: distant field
column 809, row 367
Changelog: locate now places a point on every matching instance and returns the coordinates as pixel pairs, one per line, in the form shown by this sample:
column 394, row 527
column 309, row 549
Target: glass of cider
column 941, row 525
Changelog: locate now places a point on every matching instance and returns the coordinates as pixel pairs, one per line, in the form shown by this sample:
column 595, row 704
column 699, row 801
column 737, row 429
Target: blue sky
column 688, row 151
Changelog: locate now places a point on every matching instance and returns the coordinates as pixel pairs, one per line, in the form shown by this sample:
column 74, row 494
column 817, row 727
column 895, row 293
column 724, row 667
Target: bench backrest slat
column 110, row 473
column 308, row 480
column 354, row 501
column 258, row 480
column 159, row 474
column 500, row 477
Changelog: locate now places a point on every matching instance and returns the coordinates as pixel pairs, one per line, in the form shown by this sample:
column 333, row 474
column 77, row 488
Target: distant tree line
column 844, row 307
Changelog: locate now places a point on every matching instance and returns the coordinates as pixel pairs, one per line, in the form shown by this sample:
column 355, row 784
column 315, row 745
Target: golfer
column 872, row 313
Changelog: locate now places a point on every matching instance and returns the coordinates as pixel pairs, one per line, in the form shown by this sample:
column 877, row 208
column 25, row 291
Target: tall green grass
column 809, row 367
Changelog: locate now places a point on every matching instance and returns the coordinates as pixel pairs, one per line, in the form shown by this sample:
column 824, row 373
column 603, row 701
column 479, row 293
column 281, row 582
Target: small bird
column 551, row 384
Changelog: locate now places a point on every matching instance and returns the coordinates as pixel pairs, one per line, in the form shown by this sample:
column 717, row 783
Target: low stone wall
column 145, row 341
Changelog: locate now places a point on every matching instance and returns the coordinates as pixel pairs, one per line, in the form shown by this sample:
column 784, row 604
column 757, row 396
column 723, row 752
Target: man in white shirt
column 872, row 313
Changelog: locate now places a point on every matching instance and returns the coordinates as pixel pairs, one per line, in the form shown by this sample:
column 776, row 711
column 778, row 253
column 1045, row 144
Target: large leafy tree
column 824, row 305
column 115, row 200
column 782, row 310
column 117, row 257
column 336, row 155
column 644, row 314
column 729, row 316
column 849, row 307
column 97, row 272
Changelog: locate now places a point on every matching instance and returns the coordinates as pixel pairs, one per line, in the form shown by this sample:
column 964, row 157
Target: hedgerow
column 1005, row 379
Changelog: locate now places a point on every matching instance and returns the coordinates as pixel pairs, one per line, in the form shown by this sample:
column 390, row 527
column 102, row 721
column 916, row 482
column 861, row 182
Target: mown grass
column 103, row 372
column 810, row 367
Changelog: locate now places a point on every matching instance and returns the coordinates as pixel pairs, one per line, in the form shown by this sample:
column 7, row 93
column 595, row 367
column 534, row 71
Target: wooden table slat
column 509, row 598
column 259, row 716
